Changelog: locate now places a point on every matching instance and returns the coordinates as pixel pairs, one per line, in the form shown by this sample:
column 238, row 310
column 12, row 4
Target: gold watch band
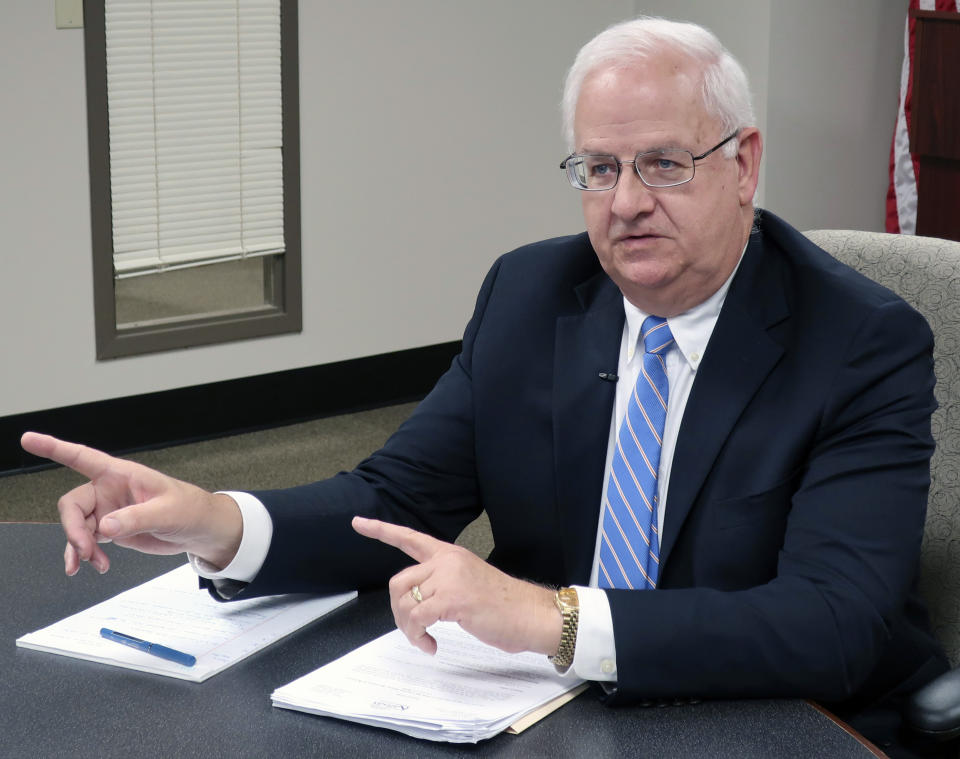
column 568, row 603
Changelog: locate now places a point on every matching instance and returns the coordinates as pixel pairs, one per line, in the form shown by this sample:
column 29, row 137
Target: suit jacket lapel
column 740, row 355
column 587, row 343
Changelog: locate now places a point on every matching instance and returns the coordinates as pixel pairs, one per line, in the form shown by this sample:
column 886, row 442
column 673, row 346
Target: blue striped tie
column 630, row 544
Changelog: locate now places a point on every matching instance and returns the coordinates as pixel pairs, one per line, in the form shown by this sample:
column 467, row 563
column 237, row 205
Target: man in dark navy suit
column 789, row 473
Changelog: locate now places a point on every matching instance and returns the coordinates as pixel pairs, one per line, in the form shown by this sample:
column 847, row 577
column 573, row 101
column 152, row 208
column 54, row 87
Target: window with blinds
column 196, row 171
column 193, row 139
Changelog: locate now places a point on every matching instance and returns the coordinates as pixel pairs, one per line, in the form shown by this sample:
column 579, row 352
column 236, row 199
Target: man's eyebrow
column 663, row 146
column 652, row 148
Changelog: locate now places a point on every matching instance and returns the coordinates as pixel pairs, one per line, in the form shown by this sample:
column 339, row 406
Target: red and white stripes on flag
column 902, row 192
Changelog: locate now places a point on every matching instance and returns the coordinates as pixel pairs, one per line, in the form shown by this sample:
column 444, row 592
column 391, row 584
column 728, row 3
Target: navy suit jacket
column 797, row 496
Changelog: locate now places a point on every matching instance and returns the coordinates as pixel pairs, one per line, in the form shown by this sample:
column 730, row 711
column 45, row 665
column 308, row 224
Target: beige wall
column 834, row 78
column 393, row 259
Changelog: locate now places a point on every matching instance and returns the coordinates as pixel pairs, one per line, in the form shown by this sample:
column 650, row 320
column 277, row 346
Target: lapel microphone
column 608, row 377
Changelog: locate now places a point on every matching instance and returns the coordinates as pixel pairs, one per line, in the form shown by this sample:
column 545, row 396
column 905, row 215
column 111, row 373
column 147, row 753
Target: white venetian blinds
column 195, row 116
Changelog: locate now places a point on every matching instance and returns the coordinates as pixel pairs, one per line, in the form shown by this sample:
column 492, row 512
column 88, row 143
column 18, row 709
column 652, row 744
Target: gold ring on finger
column 415, row 592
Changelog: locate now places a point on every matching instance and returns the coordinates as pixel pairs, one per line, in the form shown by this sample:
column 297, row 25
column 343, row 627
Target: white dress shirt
column 595, row 656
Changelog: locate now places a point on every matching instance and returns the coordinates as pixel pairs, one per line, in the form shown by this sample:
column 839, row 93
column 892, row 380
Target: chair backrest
column 925, row 272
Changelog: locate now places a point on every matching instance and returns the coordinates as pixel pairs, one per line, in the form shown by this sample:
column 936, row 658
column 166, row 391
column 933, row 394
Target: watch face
column 568, row 597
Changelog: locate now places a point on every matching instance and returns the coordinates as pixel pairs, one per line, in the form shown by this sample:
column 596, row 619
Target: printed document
column 172, row 611
column 467, row 692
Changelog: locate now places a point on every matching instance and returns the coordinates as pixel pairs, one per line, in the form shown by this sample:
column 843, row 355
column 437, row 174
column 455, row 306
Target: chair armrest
column 933, row 711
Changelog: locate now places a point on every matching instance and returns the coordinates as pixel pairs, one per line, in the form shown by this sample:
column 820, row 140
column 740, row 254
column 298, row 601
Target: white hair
column 725, row 90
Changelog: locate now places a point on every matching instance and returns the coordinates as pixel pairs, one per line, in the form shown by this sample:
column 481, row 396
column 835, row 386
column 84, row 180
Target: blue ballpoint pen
column 155, row 649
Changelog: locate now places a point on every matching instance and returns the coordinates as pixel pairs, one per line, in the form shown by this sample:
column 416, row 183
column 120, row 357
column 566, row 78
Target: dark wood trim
column 935, row 105
column 939, row 15
column 934, row 138
column 171, row 417
column 98, row 157
column 289, row 270
column 872, row 748
column 205, row 330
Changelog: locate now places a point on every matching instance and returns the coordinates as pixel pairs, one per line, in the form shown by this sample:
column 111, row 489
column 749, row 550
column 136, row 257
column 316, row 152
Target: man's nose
column 631, row 196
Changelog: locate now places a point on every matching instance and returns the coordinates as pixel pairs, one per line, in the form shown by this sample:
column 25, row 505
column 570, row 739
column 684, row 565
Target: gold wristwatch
column 569, row 605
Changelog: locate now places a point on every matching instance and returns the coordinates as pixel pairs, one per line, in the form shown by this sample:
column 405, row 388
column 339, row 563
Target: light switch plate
column 69, row 14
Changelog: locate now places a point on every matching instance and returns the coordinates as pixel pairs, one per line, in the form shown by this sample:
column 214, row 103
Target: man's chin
column 645, row 285
column 648, row 271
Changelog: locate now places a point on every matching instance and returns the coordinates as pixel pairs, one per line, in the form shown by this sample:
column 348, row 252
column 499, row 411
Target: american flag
column 904, row 168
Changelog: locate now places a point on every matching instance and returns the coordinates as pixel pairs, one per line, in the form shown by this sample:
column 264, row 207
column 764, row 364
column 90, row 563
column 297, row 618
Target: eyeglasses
column 665, row 167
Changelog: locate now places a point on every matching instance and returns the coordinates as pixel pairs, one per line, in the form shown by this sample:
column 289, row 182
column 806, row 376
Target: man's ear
column 748, row 163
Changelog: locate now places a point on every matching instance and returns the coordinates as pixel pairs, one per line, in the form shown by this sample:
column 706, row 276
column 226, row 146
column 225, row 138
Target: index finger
column 416, row 545
column 87, row 461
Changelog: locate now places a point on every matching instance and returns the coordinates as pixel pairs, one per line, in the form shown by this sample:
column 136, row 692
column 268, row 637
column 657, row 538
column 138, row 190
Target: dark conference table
column 56, row 706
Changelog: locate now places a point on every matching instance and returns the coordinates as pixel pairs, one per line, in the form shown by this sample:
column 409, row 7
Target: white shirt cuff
column 254, row 543
column 595, row 657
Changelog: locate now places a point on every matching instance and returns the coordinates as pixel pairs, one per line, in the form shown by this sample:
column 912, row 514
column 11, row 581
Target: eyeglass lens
column 659, row 168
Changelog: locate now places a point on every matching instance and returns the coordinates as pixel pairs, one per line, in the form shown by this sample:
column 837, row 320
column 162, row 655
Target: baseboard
column 172, row 417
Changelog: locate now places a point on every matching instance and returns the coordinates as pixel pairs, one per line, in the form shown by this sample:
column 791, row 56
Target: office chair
column 925, row 272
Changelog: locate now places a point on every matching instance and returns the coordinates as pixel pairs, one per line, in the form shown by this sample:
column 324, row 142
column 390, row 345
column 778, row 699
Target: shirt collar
column 691, row 330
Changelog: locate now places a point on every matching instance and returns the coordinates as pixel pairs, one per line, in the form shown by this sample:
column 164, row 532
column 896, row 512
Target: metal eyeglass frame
column 637, row 157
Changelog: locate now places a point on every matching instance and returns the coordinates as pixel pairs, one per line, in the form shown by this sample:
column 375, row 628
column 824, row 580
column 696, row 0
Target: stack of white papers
column 172, row 611
column 466, row 693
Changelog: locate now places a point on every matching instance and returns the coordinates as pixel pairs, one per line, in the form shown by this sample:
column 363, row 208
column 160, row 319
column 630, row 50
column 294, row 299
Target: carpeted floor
column 273, row 458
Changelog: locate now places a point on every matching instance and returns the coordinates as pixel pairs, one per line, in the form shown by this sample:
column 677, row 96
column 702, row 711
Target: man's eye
column 603, row 169
column 665, row 164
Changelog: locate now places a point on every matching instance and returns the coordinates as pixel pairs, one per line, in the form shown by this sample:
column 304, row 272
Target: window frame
column 282, row 274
